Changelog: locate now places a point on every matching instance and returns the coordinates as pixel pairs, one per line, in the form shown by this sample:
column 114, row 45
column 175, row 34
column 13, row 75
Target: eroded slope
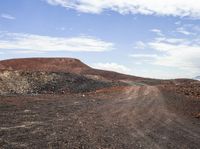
column 25, row 82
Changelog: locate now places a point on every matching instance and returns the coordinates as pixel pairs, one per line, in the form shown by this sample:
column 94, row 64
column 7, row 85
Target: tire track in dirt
column 142, row 111
column 131, row 118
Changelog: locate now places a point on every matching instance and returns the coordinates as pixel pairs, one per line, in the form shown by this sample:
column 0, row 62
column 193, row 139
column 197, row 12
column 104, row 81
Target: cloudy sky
column 157, row 39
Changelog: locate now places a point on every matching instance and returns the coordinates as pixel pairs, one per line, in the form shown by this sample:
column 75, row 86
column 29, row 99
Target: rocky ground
column 65, row 104
column 26, row 82
column 190, row 89
column 116, row 118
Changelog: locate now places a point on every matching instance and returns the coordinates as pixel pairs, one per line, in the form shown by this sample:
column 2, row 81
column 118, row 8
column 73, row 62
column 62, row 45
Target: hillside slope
column 90, row 108
column 62, row 65
column 44, row 64
column 26, row 82
column 31, row 69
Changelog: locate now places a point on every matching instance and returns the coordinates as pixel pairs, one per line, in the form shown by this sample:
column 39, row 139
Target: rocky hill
column 80, row 107
column 13, row 82
column 65, row 75
column 70, row 65
column 44, row 64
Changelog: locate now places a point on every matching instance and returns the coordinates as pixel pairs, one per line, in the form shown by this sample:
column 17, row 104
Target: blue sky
column 138, row 37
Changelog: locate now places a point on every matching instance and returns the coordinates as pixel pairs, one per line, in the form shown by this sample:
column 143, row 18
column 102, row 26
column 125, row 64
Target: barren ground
column 134, row 117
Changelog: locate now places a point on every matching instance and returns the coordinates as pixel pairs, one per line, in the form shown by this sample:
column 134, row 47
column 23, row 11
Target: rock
column 25, row 82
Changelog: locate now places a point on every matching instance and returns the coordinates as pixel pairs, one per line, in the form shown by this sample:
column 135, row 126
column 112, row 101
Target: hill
column 63, row 103
column 197, row 78
column 26, row 82
column 38, row 73
column 44, row 64
column 70, row 65
column 52, row 76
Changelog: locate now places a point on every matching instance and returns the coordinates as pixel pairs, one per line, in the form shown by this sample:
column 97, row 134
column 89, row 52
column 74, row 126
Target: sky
column 156, row 39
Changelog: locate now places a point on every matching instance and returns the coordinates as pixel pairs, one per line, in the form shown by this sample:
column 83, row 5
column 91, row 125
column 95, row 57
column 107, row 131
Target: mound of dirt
column 26, row 82
column 44, row 64
column 190, row 88
column 38, row 75
column 112, row 76
column 53, row 75
column 70, row 65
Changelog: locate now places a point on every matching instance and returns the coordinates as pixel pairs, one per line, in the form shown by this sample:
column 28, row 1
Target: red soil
column 45, row 64
column 61, row 65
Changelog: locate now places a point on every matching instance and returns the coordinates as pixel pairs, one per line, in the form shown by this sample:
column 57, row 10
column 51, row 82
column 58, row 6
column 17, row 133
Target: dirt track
column 136, row 117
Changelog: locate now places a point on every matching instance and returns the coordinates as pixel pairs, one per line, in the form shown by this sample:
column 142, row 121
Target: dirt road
column 137, row 117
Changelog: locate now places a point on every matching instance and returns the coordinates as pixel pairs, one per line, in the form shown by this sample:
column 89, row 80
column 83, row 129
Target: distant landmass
column 197, row 78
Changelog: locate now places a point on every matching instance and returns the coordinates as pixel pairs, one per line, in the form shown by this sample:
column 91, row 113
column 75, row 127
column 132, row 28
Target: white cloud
column 144, row 56
column 180, row 8
column 139, row 45
column 113, row 67
column 170, row 40
column 181, row 54
column 183, row 31
column 188, row 29
column 160, row 73
column 29, row 52
column 178, row 23
column 25, row 43
column 157, row 31
column 7, row 16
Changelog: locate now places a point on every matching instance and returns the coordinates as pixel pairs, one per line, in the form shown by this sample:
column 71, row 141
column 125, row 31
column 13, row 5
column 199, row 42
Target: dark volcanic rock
column 70, row 65
column 25, row 82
